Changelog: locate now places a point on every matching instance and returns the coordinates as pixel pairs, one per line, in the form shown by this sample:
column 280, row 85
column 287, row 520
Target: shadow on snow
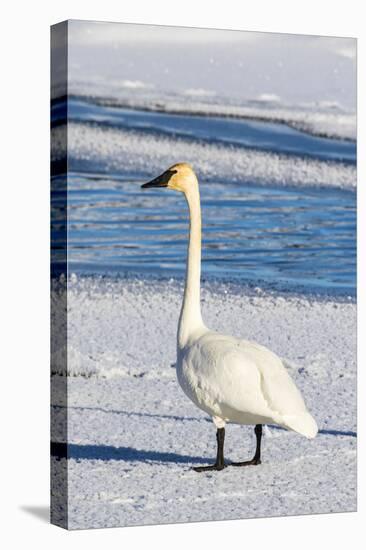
column 127, row 454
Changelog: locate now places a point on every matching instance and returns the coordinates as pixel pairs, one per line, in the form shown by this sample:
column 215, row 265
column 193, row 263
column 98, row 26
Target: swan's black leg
column 257, row 457
column 220, row 463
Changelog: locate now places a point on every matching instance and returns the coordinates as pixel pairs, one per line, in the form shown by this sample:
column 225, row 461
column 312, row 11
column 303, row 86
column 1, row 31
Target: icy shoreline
column 134, row 435
column 132, row 151
column 327, row 120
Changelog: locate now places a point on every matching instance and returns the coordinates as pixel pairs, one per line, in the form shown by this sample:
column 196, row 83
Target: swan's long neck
column 190, row 315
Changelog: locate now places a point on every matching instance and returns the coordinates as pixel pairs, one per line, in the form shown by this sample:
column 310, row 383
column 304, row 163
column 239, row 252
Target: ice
column 120, row 150
column 325, row 118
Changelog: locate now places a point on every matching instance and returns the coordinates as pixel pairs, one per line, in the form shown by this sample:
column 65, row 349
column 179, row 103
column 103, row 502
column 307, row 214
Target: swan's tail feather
column 303, row 424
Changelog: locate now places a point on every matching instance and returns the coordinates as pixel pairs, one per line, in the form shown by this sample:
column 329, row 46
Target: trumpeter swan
column 228, row 378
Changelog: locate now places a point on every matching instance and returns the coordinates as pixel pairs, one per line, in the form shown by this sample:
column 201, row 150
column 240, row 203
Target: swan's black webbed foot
column 210, row 468
column 253, row 462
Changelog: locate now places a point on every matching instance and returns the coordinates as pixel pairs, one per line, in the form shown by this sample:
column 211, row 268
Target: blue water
column 292, row 237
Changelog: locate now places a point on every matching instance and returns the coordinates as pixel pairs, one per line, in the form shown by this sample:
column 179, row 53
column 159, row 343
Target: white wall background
column 24, row 269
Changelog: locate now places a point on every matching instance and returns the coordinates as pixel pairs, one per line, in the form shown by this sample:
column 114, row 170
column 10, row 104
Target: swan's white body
column 240, row 381
column 228, row 378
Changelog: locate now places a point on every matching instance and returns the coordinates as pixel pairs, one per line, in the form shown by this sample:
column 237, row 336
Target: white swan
column 228, row 378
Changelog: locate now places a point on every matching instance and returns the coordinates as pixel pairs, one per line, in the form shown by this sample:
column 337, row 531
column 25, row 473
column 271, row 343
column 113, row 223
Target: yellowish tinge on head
column 184, row 177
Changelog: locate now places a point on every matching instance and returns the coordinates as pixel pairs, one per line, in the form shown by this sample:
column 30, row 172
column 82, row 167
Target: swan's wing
column 245, row 377
column 279, row 390
column 277, row 387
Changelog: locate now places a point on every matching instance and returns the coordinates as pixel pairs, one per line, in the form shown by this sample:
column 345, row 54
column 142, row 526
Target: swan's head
column 179, row 177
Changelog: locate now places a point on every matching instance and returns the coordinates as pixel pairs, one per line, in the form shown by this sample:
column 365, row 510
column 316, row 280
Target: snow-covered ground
column 134, row 435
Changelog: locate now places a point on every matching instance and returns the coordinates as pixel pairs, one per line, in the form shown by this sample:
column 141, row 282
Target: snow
column 134, row 435
column 324, row 118
column 297, row 68
column 326, row 121
column 121, row 150
column 308, row 82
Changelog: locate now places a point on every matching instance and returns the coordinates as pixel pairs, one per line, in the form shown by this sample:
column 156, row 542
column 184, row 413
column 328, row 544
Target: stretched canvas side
column 58, row 273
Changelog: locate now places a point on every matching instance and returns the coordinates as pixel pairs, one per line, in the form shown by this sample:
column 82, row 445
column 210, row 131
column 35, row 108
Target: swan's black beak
column 160, row 181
